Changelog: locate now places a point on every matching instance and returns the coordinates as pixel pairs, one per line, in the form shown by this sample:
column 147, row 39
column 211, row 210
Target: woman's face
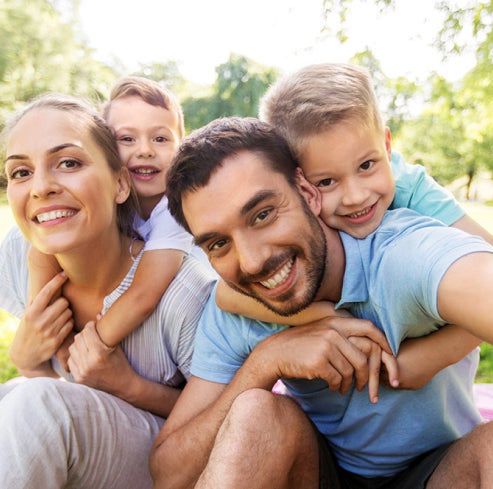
column 60, row 188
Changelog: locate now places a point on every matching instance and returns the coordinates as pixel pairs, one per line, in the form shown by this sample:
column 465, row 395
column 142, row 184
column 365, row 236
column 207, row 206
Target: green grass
column 483, row 214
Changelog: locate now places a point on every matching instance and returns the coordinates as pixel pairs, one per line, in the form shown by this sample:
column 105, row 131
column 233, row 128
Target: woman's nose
column 44, row 183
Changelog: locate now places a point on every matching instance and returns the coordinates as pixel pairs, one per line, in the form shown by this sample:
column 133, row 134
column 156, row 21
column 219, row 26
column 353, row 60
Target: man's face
column 259, row 233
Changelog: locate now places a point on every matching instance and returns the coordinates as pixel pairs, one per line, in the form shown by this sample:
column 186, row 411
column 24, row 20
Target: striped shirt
column 161, row 348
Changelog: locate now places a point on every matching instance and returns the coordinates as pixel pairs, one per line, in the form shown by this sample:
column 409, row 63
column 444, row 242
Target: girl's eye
column 326, row 182
column 69, row 164
column 161, row 139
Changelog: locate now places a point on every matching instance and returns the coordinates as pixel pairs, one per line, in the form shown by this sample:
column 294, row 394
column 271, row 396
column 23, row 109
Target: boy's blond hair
column 150, row 92
column 310, row 100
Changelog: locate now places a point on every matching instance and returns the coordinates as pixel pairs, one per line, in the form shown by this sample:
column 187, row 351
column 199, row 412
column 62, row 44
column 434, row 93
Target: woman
column 70, row 198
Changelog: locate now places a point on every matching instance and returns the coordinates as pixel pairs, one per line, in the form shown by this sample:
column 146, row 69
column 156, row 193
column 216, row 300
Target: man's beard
column 286, row 305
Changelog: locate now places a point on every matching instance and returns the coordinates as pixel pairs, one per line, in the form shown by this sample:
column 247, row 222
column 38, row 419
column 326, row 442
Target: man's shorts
column 332, row 476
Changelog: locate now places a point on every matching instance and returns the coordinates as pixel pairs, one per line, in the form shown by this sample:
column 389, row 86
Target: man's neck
column 335, row 266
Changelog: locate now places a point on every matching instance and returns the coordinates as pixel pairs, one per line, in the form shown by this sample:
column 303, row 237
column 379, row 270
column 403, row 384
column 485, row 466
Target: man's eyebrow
column 256, row 200
column 202, row 238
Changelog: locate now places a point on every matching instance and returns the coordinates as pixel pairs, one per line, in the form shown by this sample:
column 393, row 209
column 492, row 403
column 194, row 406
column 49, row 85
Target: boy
column 330, row 117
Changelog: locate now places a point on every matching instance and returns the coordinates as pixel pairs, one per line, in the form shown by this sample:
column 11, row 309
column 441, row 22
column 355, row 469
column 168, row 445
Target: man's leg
column 468, row 464
column 59, row 434
column 266, row 441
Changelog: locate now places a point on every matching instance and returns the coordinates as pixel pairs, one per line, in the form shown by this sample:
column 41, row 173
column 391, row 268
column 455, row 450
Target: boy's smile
column 349, row 163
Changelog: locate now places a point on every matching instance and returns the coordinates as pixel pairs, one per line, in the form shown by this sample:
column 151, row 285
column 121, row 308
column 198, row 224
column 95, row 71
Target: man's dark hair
column 204, row 150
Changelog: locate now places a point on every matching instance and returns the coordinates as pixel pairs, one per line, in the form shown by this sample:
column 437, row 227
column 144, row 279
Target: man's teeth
column 279, row 277
column 52, row 215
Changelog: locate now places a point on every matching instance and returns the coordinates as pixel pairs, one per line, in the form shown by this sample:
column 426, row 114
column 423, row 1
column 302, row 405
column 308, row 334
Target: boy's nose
column 145, row 150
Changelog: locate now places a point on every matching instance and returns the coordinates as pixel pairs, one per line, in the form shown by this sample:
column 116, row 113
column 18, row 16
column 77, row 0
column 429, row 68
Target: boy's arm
column 93, row 364
column 156, row 270
column 420, row 359
column 469, row 225
column 230, row 300
column 42, row 268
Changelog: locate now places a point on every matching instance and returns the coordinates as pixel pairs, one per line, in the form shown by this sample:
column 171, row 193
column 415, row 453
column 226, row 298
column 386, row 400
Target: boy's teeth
column 144, row 171
column 278, row 277
column 360, row 213
column 52, row 215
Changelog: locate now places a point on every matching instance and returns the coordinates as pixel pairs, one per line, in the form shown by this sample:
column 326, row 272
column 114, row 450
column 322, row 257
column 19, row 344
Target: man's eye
column 261, row 216
column 326, row 182
column 217, row 245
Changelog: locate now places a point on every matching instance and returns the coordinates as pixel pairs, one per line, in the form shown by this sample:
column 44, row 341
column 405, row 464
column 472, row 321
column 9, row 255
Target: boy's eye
column 161, row 139
column 326, row 182
column 125, row 139
column 366, row 165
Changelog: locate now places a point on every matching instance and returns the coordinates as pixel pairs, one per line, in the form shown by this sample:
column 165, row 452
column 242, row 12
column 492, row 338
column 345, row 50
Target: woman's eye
column 69, row 164
column 18, row 174
column 326, row 182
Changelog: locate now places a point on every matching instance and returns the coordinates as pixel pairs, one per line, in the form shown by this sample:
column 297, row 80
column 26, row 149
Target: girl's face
column 62, row 192
column 350, row 165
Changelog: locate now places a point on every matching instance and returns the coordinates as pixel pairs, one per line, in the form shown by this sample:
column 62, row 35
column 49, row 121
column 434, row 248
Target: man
column 235, row 186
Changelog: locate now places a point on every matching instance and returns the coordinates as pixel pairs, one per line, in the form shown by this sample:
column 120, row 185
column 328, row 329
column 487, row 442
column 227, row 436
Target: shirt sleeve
column 416, row 190
column 162, row 232
column 14, row 273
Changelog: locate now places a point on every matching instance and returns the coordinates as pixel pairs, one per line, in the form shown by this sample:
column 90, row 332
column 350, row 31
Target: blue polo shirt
column 391, row 278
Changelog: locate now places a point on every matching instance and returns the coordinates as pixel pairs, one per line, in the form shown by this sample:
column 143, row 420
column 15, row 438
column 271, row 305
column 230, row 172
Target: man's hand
column 338, row 350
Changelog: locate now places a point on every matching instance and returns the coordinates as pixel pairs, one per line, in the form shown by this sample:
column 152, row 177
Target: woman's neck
column 93, row 274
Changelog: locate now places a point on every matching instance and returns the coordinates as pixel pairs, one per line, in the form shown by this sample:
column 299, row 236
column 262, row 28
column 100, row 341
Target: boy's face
column 350, row 165
column 147, row 137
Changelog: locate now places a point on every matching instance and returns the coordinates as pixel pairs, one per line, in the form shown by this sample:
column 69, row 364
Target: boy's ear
column 388, row 143
column 124, row 186
column 310, row 193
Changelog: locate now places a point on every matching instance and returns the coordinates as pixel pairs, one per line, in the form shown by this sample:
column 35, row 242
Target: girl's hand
column 44, row 327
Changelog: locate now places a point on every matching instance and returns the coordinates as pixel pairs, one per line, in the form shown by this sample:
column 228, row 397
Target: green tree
column 40, row 53
column 239, row 85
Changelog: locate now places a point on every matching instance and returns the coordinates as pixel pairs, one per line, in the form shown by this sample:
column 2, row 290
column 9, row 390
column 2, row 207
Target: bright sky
column 201, row 34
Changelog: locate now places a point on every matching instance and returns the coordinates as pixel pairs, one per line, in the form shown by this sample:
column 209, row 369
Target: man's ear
column 310, row 193
column 124, row 186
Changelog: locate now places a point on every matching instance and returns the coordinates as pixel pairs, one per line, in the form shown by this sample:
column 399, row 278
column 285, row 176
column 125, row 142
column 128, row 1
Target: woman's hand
column 46, row 323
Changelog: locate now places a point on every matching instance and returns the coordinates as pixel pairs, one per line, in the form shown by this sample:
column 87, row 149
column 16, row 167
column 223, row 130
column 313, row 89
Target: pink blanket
column 483, row 395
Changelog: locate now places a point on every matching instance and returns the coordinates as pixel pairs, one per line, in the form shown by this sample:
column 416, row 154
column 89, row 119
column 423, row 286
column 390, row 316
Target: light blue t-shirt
column 391, row 278
column 415, row 189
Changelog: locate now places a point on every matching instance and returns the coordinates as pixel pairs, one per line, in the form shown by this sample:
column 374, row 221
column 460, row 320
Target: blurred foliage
column 7, row 330
column 448, row 127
